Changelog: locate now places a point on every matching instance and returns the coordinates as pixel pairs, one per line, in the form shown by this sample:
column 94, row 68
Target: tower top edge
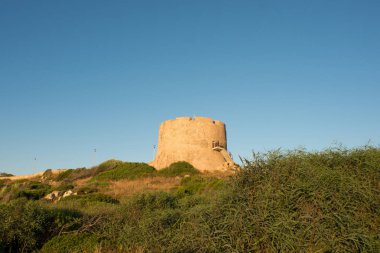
column 196, row 118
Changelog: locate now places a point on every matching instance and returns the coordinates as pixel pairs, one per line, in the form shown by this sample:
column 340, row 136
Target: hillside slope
column 292, row 201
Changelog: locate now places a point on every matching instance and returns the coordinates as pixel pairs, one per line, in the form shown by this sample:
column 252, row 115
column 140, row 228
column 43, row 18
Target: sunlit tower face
column 197, row 140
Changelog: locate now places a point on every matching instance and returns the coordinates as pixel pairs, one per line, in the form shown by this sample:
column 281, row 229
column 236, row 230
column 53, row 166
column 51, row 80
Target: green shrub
column 126, row 171
column 33, row 190
column 22, row 226
column 64, row 187
column 168, row 219
column 80, row 173
column 298, row 201
column 87, row 190
column 9, row 190
column 199, row 184
column 68, row 218
column 4, row 182
column 178, row 169
column 155, row 200
column 64, row 175
column 48, row 174
column 111, row 169
column 97, row 184
column 4, row 174
column 70, row 243
column 75, row 174
column 108, row 165
column 94, row 197
column 26, row 225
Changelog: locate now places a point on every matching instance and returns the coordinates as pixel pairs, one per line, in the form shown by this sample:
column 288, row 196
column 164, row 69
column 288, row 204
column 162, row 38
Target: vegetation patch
column 94, row 197
column 64, row 187
column 71, row 243
column 48, row 174
column 280, row 201
column 4, row 174
column 87, row 189
column 64, row 175
column 126, row 170
column 199, row 184
column 298, row 201
column 108, row 165
column 26, row 225
column 74, row 174
column 33, row 190
column 154, row 201
column 178, row 169
column 4, row 182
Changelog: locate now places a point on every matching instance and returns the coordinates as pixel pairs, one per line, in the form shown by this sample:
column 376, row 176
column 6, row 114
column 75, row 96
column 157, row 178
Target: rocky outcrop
column 58, row 195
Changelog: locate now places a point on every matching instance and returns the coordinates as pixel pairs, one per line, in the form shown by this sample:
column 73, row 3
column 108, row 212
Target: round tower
column 196, row 140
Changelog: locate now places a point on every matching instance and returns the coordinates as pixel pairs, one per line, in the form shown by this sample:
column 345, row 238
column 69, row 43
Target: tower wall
column 191, row 140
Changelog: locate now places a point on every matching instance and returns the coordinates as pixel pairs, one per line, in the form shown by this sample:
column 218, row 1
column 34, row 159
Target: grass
column 126, row 188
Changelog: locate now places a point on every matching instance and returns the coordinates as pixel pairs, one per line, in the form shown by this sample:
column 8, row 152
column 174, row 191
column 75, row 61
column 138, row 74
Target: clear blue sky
column 79, row 75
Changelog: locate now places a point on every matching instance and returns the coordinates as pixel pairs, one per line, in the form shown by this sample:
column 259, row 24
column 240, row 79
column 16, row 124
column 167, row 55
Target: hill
column 288, row 201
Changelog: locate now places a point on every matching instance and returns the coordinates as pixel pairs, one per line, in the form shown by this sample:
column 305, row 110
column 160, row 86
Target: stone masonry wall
column 191, row 139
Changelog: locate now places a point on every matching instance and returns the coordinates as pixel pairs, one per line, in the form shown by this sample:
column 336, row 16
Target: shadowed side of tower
column 197, row 140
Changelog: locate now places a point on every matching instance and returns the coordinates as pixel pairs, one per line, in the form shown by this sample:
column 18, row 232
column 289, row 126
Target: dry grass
column 219, row 174
column 82, row 182
column 122, row 188
column 34, row 176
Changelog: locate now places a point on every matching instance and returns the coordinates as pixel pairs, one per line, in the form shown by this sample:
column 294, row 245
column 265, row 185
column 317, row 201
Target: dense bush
column 108, row 170
column 87, row 189
column 154, row 201
column 72, row 243
column 299, row 201
column 126, row 171
column 178, row 169
column 94, row 197
column 4, row 174
column 199, row 184
column 108, row 165
column 27, row 225
column 9, row 189
column 33, row 190
column 48, row 174
column 71, row 175
column 3, row 182
column 64, row 175
column 64, row 187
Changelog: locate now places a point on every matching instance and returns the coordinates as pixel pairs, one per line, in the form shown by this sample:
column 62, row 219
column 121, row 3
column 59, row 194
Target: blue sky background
column 79, row 75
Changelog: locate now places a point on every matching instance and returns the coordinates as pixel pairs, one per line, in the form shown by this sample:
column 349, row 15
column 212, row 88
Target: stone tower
column 197, row 140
